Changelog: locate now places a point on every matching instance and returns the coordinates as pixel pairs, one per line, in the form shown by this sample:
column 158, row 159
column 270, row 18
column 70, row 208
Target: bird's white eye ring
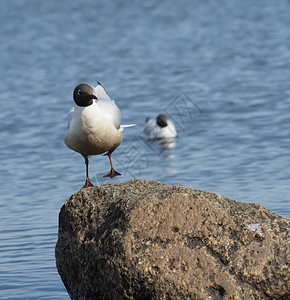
column 79, row 92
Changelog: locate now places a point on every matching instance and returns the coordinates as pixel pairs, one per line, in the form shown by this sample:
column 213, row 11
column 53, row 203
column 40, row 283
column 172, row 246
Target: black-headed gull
column 94, row 125
column 160, row 128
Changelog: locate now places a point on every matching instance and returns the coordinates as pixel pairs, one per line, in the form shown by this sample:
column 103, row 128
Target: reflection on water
column 166, row 143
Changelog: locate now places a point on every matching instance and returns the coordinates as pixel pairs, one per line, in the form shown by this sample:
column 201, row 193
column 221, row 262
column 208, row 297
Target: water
column 228, row 65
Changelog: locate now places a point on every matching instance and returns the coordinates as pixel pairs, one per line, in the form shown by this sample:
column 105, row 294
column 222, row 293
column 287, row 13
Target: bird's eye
column 79, row 92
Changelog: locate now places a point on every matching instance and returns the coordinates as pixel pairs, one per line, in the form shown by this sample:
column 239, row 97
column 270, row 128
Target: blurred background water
column 221, row 70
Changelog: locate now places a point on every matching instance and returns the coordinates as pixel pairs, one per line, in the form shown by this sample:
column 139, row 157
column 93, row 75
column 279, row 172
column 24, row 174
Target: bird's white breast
column 92, row 131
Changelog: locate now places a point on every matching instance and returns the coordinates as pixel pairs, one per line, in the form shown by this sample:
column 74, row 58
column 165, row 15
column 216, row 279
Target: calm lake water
column 222, row 73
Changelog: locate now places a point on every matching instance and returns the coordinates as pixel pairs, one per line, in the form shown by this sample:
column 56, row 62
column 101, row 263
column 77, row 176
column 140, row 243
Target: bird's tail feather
column 125, row 126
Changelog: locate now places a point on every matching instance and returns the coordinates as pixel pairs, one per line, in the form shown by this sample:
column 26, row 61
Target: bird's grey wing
column 107, row 105
column 70, row 116
column 110, row 108
column 101, row 93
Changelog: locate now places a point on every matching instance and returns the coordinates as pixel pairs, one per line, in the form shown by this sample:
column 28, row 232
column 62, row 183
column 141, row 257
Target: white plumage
column 160, row 128
column 94, row 124
column 94, row 129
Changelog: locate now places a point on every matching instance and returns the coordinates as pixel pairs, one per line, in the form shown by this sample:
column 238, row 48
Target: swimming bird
column 94, row 125
column 160, row 128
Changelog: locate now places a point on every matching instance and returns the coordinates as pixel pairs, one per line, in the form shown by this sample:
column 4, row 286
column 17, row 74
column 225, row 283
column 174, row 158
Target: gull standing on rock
column 94, row 125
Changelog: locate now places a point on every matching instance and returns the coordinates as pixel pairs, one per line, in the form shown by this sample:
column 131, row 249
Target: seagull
column 94, row 125
column 160, row 128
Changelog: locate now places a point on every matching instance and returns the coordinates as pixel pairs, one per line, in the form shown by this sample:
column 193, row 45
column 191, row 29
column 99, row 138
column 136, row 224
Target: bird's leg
column 88, row 181
column 112, row 173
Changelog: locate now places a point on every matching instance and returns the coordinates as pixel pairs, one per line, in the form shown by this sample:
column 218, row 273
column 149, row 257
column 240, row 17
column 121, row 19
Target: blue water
column 221, row 72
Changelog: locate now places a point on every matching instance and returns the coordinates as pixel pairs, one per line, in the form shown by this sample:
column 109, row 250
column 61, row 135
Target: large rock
column 147, row 240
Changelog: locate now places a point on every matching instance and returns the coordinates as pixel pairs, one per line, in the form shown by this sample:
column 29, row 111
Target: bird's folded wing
column 107, row 105
column 101, row 93
column 111, row 109
column 70, row 116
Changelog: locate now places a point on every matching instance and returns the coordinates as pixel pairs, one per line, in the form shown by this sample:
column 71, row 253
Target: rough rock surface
column 146, row 240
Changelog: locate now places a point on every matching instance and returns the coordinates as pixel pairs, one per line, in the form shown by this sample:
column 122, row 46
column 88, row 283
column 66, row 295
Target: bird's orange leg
column 112, row 173
column 88, row 181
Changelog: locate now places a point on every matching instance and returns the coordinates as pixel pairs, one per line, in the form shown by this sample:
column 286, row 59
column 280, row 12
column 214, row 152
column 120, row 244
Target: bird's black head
column 162, row 120
column 83, row 95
